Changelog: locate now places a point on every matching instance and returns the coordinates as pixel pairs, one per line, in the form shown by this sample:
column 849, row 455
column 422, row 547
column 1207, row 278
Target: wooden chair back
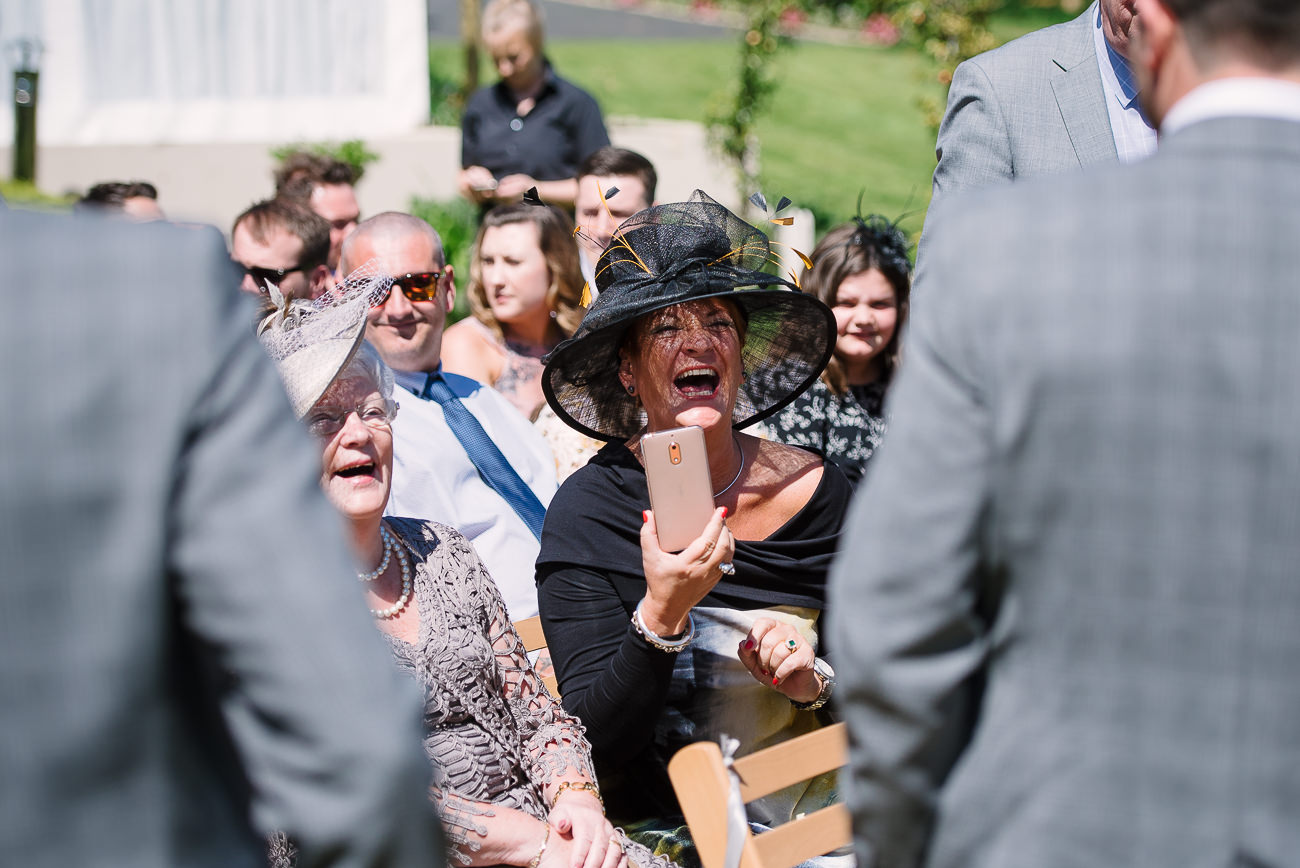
column 530, row 631
column 702, row 784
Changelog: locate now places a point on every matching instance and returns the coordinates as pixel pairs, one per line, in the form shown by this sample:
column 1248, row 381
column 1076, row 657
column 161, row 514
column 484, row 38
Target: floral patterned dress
column 846, row 428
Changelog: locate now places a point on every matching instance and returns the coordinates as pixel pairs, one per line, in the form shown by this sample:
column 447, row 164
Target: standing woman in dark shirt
column 653, row 649
column 530, row 129
column 862, row 271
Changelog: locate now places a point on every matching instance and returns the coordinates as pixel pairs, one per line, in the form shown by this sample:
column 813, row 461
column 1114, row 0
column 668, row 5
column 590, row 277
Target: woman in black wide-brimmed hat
column 655, row 650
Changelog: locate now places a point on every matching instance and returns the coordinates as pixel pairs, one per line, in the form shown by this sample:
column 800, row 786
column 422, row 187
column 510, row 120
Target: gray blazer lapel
column 1079, row 96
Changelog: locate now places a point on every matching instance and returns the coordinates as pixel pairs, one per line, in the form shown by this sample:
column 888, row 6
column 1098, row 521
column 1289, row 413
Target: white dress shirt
column 433, row 478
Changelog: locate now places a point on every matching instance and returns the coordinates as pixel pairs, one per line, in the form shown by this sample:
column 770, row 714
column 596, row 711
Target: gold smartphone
column 681, row 491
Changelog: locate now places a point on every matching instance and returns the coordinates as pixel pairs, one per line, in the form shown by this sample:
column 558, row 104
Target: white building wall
column 188, row 71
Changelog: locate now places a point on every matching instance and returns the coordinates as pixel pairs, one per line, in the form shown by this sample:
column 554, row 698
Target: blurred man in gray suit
column 185, row 658
column 1067, row 614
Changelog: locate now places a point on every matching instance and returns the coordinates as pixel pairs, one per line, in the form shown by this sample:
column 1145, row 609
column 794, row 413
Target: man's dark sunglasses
column 419, row 286
column 262, row 275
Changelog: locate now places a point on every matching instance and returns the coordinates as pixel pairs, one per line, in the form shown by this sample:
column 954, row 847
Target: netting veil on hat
column 311, row 341
column 676, row 253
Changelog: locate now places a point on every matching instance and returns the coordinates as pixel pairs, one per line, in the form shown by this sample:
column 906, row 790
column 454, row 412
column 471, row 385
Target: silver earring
column 631, row 390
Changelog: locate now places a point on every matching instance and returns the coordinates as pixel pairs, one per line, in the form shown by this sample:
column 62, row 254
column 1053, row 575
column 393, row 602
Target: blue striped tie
column 492, row 465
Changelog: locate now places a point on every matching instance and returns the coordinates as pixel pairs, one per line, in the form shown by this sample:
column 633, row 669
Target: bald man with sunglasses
column 489, row 476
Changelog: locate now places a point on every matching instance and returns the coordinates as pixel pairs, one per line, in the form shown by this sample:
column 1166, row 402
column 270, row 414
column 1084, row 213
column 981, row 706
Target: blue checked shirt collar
column 1135, row 138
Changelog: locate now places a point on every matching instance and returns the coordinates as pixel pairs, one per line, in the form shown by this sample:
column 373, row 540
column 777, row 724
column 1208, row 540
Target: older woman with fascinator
column 513, row 782
column 862, row 271
column 655, row 649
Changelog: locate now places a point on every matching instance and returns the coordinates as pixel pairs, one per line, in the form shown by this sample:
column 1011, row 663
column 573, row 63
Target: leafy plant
column 446, row 102
column 457, row 222
column 732, row 127
column 28, row 197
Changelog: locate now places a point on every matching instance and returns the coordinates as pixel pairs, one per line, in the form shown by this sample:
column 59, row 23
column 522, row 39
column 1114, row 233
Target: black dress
column 640, row 704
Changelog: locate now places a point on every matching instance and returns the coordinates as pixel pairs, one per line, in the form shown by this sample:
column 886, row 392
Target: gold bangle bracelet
column 576, row 785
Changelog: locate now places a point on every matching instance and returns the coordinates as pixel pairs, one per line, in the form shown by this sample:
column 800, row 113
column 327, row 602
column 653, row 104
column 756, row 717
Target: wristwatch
column 827, row 676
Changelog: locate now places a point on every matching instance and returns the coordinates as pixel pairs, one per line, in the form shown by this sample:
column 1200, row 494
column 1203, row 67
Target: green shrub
column 27, row 196
column 353, row 152
column 456, row 221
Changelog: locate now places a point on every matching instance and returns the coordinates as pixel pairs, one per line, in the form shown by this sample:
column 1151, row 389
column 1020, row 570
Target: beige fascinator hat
column 311, row 341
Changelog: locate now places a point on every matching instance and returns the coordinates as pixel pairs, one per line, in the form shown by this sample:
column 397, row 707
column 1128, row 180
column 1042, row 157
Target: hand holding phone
column 684, row 521
column 675, row 583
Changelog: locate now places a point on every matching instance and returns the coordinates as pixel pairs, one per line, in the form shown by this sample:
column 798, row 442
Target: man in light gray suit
column 186, row 662
column 1067, row 613
column 1041, row 105
column 1059, row 99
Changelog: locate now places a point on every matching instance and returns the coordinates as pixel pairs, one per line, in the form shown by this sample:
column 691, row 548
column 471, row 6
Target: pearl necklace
column 741, row 470
column 378, row 571
column 391, row 545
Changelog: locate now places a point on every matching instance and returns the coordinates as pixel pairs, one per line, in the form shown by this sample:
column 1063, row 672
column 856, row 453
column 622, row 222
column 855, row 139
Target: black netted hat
column 671, row 254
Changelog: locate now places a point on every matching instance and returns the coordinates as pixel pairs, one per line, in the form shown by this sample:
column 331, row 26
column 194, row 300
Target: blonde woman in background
column 530, row 129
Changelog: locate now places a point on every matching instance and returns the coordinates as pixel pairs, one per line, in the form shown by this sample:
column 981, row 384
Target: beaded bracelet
column 654, row 640
column 541, row 851
column 576, row 785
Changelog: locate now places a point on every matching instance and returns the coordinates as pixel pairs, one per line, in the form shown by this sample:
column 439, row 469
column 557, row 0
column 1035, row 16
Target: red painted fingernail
column 645, row 516
column 724, row 512
column 775, row 682
column 765, row 672
column 749, row 644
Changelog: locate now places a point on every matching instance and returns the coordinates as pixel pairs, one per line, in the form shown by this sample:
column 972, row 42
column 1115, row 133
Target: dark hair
column 610, row 160
column 301, row 222
column 301, row 172
column 1269, row 30
column 555, row 239
column 111, row 195
column 853, row 248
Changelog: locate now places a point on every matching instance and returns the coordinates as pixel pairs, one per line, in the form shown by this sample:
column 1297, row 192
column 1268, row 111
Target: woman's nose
column 354, row 430
column 697, row 338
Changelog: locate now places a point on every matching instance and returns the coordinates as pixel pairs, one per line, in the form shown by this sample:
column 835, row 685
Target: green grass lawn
column 842, row 120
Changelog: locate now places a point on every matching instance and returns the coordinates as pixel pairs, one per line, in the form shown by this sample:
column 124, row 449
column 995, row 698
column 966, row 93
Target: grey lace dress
column 494, row 735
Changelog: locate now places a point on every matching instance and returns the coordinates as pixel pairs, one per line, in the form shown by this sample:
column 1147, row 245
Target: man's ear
column 449, row 287
column 1154, row 29
column 320, row 281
